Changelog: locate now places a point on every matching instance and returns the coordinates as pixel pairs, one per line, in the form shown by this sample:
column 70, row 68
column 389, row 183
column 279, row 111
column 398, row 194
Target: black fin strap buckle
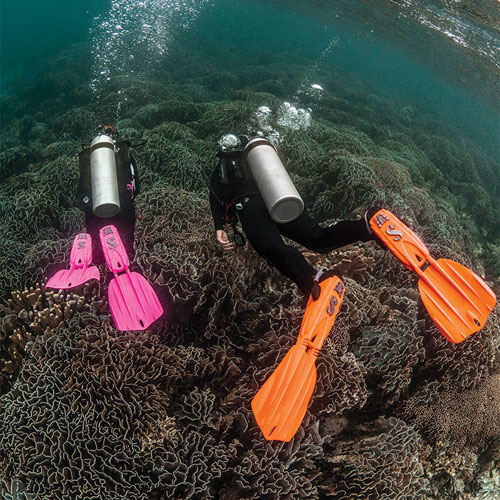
column 239, row 239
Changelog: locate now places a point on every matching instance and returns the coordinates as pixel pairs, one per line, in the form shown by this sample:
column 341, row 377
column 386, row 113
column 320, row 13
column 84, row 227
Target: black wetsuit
column 128, row 189
column 265, row 235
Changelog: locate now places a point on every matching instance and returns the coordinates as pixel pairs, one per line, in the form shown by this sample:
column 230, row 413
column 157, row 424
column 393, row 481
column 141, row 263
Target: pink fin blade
column 133, row 302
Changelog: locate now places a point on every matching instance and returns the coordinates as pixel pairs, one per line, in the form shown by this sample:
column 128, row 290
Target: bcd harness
column 232, row 218
column 237, row 185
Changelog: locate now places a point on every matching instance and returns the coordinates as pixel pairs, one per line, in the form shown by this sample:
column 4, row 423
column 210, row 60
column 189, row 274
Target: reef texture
column 91, row 413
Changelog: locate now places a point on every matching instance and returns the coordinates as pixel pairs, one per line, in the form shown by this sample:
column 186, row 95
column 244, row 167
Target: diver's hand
column 224, row 240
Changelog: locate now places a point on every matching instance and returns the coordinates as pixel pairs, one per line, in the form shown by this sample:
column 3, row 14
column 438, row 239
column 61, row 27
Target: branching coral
column 29, row 314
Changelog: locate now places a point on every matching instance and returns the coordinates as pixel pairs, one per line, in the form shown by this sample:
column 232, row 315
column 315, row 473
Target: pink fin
column 133, row 302
column 79, row 272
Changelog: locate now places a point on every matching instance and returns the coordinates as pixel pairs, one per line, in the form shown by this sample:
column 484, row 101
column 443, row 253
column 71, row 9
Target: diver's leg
column 124, row 223
column 93, row 224
column 264, row 236
column 308, row 233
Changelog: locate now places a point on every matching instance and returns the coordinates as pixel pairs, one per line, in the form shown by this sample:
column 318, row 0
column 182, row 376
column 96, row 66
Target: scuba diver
column 105, row 197
column 107, row 189
column 251, row 184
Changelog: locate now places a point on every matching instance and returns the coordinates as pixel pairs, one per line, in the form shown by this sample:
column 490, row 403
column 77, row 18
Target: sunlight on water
column 134, row 36
column 461, row 31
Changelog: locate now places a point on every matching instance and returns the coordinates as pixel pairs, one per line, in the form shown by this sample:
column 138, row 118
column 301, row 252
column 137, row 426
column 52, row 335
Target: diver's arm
column 135, row 175
column 218, row 211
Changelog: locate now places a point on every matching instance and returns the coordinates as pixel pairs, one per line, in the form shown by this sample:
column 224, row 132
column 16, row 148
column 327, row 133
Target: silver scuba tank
column 104, row 180
column 281, row 197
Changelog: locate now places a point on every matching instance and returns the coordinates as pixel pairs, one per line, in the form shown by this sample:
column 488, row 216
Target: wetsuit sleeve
column 136, row 176
column 218, row 212
column 84, row 193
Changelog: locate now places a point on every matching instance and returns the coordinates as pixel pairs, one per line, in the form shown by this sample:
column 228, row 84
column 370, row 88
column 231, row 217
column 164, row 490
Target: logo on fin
column 82, row 240
column 331, row 308
column 381, row 219
column 111, row 243
column 392, row 231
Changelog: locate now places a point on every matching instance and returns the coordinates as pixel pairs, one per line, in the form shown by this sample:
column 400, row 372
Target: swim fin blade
column 457, row 300
column 133, row 302
column 79, row 272
column 281, row 403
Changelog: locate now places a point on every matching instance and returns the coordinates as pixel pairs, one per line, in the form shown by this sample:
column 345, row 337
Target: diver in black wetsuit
column 128, row 189
column 233, row 192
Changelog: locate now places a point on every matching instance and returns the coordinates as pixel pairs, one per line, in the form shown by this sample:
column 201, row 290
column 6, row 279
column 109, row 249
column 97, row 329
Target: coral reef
column 469, row 417
column 124, row 437
column 382, row 461
column 87, row 412
column 389, row 351
column 30, row 313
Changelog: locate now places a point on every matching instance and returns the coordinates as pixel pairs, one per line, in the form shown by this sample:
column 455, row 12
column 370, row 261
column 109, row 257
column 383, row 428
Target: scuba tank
column 104, row 181
column 281, row 197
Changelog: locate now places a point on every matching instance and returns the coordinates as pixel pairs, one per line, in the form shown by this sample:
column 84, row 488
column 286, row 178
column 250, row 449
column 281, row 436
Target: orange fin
column 458, row 301
column 281, row 403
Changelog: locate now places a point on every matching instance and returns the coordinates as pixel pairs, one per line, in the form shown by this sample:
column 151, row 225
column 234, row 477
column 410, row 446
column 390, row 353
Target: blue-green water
column 442, row 58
